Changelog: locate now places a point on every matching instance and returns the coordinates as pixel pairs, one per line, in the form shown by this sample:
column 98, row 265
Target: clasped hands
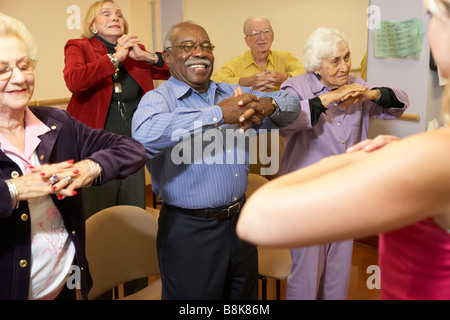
column 349, row 94
column 129, row 45
column 245, row 109
column 267, row 80
column 61, row 179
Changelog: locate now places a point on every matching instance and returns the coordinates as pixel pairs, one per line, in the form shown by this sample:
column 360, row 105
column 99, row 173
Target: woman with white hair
column 336, row 108
column 399, row 191
column 46, row 157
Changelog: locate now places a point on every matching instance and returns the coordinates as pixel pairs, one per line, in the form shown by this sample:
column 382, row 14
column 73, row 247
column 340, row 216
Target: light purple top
column 336, row 131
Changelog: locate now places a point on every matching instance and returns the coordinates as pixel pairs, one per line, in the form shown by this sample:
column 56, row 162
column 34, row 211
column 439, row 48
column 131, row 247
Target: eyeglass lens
column 25, row 66
column 264, row 32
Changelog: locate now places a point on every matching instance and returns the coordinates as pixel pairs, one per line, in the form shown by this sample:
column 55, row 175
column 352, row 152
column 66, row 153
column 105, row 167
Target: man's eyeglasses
column 192, row 46
column 256, row 34
column 26, row 66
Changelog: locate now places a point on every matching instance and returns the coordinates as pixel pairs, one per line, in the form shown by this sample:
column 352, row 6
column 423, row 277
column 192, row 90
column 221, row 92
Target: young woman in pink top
column 399, row 189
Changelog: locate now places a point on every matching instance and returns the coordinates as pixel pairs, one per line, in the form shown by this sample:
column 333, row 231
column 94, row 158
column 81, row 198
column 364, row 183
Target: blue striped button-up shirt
column 195, row 160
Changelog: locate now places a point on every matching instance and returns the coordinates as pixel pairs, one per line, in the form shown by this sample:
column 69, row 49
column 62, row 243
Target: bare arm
column 332, row 200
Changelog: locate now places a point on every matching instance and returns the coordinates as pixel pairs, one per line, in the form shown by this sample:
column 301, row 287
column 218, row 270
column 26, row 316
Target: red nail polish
column 53, row 187
column 70, row 161
column 60, row 197
column 76, row 171
column 42, row 174
column 74, row 192
column 30, row 167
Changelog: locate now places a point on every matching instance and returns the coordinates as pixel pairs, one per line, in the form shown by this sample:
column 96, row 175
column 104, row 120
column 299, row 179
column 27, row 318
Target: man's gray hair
column 250, row 19
column 168, row 38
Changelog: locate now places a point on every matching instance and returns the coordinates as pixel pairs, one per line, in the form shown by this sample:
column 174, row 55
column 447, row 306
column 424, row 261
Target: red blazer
column 88, row 74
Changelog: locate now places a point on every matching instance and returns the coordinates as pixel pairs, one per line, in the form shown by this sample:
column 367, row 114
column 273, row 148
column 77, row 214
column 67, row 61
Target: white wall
column 411, row 75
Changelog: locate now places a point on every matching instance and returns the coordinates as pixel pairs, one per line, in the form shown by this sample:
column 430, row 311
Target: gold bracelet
column 14, row 194
column 153, row 57
column 96, row 171
column 114, row 60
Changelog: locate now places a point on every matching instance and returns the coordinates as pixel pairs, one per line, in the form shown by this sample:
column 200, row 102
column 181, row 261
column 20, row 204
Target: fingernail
column 60, row 197
column 70, row 161
column 74, row 192
column 241, row 119
column 54, row 187
column 30, row 167
column 42, row 174
column 76, row 171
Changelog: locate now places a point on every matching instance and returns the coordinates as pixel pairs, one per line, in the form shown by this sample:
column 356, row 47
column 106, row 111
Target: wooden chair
column 121, row 247
column 273, row 263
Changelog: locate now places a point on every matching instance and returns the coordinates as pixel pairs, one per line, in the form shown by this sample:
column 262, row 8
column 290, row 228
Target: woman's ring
column 54, row 179
column 69, row 179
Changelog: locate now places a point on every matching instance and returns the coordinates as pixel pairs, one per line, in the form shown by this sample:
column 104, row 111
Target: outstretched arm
column 352, row 195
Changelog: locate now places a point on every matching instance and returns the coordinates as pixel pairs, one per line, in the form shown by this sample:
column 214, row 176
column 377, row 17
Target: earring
column 318, row 76
column 94, row 31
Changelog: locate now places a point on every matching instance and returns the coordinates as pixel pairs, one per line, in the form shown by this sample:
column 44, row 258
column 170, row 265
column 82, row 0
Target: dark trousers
column 129, row 191
column 203, row 259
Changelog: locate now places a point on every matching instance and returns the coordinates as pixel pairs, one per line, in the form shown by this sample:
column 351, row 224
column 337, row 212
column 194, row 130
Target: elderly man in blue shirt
column 196, row 132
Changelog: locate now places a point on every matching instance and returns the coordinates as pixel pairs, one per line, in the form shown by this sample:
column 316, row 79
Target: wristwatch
column 153, row 57
column 274, row 103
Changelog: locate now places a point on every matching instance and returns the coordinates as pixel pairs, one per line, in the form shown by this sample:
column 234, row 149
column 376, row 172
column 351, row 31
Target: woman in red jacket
column 107, row 72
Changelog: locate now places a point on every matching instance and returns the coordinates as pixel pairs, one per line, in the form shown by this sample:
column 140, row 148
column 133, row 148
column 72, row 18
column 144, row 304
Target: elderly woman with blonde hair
column 399, row 191
column 108, row 71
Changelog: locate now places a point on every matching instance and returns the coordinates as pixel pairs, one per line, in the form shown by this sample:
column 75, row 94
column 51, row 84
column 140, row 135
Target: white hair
column 250, row 19
column 321, row 44
column 10, row 27
column 168, row 38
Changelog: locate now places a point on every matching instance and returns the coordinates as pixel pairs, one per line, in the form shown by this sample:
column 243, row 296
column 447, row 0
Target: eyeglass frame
column 10, row 69
column 183, row 46
column 256, row 34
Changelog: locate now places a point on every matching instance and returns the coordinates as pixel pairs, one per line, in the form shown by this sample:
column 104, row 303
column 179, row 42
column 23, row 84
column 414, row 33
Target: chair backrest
column 120, row 247
column 254, row 182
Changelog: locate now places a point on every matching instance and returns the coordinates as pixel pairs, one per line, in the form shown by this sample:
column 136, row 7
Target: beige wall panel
column 292, row 21
column 48, row 22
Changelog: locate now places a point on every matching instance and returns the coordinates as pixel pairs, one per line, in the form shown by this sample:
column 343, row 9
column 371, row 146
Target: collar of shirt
column 249, row 60
column 182, row 89
column 316, row 85
column 33, row 129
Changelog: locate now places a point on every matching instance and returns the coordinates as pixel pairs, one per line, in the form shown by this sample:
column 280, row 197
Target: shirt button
column 236, row 175
column 339, row 123
column 53, row 127
column 24, row 217
column 74, row 232
column 343, row 142
column 41, row 156
column 214, row 119
column 14, row 174
column 23, row 263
